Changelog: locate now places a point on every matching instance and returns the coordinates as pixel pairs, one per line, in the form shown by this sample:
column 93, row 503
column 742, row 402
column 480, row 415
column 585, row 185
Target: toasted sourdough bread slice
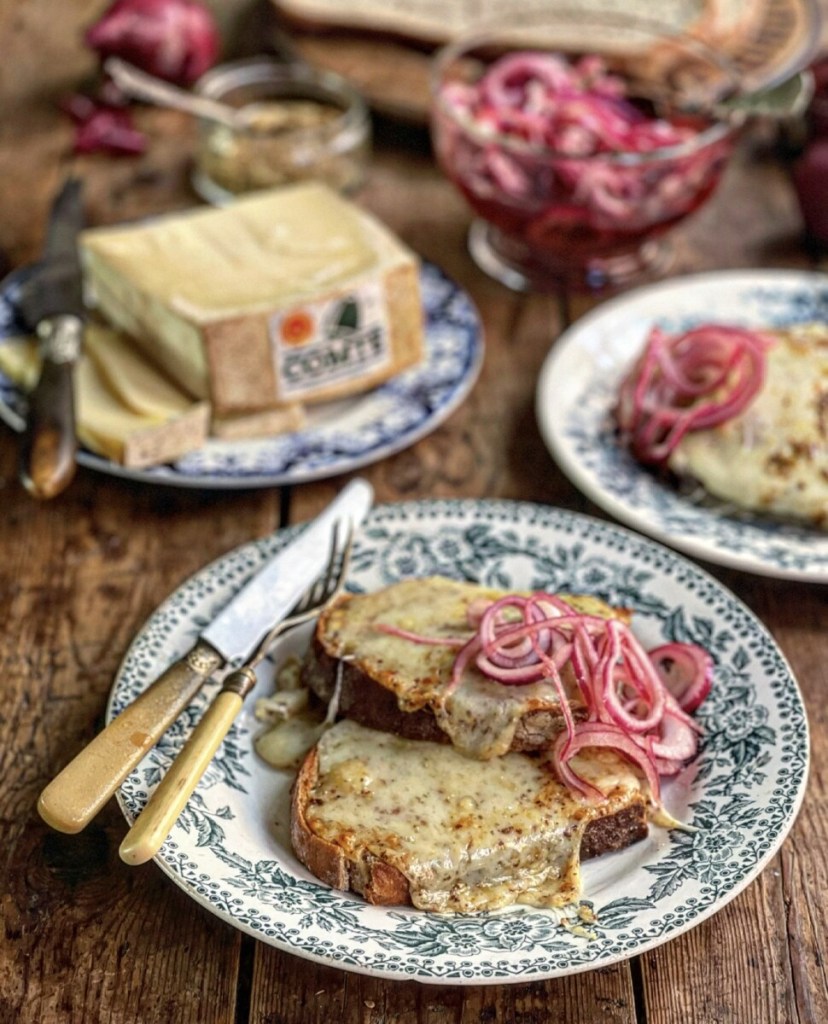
column 416, row 823
column 394, row 684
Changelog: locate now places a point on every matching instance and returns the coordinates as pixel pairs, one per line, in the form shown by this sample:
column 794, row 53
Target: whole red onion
column 174, row 39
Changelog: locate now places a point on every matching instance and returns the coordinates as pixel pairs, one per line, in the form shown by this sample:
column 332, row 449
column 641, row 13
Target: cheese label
column 330, row 341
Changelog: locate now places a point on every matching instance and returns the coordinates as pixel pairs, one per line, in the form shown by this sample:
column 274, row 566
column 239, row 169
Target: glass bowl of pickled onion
column 579, row 139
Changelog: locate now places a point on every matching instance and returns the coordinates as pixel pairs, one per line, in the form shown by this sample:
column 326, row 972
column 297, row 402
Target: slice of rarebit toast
column 408, row 822
column 397, row 685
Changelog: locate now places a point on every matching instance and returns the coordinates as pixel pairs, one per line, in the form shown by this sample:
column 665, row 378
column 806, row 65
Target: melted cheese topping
column 467, row 835
column 774, row 456
column 481, row 716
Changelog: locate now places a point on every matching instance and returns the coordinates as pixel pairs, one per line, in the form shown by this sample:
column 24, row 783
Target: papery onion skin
column 177, row 40
column 101, row 127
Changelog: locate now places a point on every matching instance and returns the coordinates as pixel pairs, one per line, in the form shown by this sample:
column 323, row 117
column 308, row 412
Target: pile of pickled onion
column 565, row 146
column 686, row 381
column 637, row 703
column 574, row 109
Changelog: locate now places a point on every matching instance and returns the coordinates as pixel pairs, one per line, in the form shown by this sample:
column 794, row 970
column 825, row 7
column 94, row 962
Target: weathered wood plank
column 324, row 993
column 87, row 938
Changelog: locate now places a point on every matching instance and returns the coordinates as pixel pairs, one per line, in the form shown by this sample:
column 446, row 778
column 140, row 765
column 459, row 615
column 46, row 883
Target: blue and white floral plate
column 230, row 849
column 577, row 390
column 340, row 436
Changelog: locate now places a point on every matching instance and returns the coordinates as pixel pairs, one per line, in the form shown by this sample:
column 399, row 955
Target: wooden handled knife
column 51, row 306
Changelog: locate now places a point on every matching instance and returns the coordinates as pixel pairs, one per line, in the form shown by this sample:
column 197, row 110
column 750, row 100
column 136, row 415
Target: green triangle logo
column 347, row 318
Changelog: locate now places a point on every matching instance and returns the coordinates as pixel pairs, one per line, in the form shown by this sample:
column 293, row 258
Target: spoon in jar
column 142, row 86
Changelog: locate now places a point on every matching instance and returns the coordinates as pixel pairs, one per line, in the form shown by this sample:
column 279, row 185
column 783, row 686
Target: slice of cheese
column 141, row 388
column 130, row 378
column 126, row 411
column 290, row 295
column 20, row 362
column 108, row 427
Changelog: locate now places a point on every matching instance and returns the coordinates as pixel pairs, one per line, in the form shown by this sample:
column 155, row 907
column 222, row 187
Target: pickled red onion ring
column 688, row 381
column 431, row 641
column 686, row 671
column 595, row 734
column 637, row 702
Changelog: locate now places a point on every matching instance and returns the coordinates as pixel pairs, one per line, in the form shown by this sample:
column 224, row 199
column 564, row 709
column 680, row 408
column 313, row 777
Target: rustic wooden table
column 87, row 939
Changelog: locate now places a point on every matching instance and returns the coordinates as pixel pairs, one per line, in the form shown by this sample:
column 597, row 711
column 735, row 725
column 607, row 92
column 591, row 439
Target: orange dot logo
column 296, row 328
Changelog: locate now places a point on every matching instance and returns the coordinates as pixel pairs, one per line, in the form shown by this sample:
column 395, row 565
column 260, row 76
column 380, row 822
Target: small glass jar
column 296, row 124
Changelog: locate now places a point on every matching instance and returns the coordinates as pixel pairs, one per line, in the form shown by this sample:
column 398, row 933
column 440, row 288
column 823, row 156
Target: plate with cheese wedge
column 694, row 410
column 251, row 845
column 288, row 337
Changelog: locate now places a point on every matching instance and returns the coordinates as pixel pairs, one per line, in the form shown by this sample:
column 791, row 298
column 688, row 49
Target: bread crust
column 380, row 883
column 374, row 879
column 364, row 700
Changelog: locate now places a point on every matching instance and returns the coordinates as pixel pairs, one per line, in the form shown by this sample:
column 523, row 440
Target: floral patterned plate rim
column 340, row 436
column 230, row 849
column 576, row 393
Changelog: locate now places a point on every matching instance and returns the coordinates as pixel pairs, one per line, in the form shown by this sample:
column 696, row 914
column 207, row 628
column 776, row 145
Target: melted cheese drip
column 481, row 716
column 467, row 835
column 774, row 456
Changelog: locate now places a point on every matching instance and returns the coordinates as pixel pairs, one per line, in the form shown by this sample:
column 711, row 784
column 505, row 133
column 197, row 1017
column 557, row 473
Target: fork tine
column 322, row 585
column 330, row 570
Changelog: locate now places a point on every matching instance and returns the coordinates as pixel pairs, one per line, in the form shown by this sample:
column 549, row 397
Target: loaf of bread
column 289, row 295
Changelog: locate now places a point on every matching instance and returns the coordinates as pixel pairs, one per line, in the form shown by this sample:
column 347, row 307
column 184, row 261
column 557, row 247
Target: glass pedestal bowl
column 578, row 140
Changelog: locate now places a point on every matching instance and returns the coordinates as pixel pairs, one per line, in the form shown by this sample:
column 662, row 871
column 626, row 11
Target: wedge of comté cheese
column 289, row 295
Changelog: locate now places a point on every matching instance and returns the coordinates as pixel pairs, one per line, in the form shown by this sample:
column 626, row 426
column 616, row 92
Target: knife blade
column 51, row 306
column 76, row 795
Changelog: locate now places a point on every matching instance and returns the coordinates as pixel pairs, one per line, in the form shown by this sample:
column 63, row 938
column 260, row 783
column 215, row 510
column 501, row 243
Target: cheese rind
column 290, row 294
column 262, row 423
